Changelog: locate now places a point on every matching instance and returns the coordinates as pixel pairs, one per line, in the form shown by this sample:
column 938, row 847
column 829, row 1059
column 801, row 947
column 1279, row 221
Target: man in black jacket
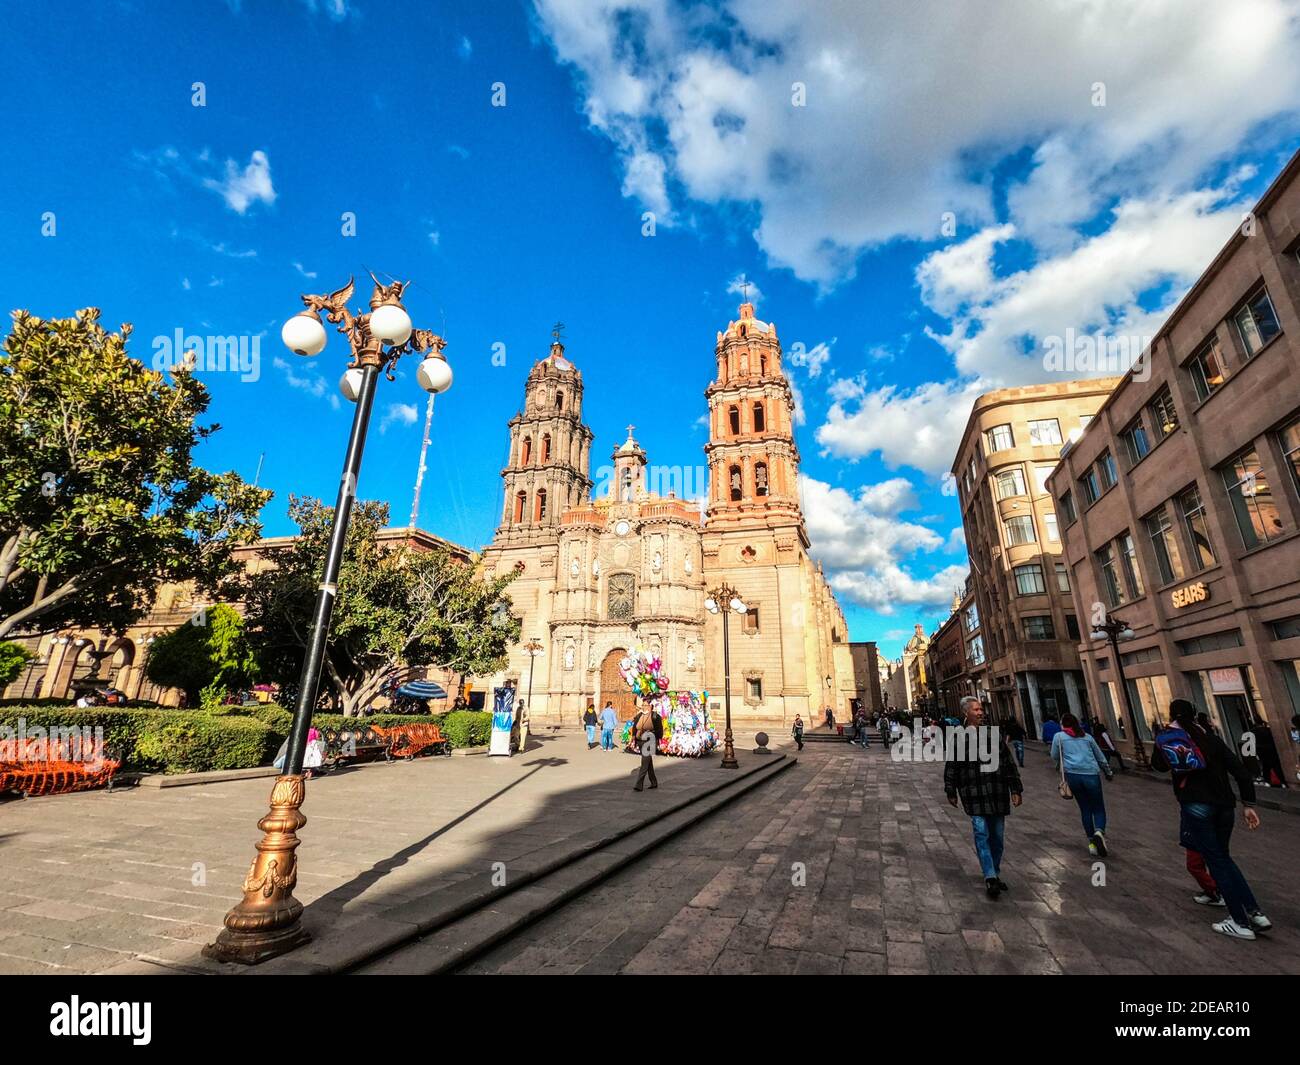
column 983, row 775
column 1207, row 809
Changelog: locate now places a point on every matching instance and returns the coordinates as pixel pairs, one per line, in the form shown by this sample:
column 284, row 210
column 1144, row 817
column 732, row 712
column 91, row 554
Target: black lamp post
column 1114, row 630
column 723, row 600
column 267, row 922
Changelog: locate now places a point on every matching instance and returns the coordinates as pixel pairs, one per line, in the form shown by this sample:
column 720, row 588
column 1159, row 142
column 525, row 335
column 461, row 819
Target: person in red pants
column 1209, row 895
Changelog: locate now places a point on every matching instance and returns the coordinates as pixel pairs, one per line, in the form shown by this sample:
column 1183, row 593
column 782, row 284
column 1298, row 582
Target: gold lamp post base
column 268, row 921
column 729, row 752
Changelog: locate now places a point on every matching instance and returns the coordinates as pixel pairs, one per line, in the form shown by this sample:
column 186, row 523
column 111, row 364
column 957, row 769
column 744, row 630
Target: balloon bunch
column 644, row 674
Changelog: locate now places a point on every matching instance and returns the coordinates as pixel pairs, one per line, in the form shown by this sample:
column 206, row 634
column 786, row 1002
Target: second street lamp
column 1114, row 630
column 267, row 922
column 723, row 600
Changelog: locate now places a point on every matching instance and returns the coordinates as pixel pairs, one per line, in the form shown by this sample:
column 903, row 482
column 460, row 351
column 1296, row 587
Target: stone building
column 623, row 567
column 1180, row 503
column 1028, row 630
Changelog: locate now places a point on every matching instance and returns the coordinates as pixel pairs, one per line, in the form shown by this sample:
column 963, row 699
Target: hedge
column 468, row 728
column 166, row 740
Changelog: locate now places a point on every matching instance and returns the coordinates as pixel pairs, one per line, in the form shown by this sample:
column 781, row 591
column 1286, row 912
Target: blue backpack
column 1179, row 749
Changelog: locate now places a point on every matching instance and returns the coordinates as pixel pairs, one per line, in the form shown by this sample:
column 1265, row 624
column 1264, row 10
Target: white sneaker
column 1233, row 930
column 1209, row 900
column 1259, row 922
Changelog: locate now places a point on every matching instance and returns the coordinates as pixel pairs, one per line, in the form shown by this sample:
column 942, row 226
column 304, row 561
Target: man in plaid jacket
column 983, row 775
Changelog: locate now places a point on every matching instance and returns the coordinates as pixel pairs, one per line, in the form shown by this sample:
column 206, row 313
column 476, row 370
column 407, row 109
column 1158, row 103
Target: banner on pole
column 503, row 719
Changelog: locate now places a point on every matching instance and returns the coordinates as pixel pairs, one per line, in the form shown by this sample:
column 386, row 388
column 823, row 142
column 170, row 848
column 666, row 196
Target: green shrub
column 468, row 728
column 162, row 740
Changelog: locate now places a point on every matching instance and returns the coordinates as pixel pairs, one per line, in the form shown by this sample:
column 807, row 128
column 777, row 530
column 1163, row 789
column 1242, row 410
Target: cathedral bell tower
column 753, row 460
column 550, row 452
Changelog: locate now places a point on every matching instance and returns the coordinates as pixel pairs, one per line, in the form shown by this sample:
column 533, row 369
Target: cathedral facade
column 604, row 569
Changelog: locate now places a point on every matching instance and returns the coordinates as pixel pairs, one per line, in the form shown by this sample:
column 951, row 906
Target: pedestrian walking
column 608, row 722
column 1050, row 728
column 797, row 731
column 1015, row 734
column 1101, row 734
column 646, row 732
column 830, row 720
column 1200, row 764
column 1081, row 763
column 589, row 722
column 986, row 794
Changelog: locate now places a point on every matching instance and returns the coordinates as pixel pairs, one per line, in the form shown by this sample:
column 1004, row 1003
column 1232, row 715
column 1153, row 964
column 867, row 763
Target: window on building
column 975, row 651
column 754, row 687
column 1207, row 370
column 1029, row 579
column 1088, row 486
column 999, row 438
column 521, row 506
column 1135, row 442
column 559, row 400
column 1129, row 560
column 1084, row 419
column 760, row 420
column 1044, row 431
column 1062, row 577
column 1066, row 507
column 751, row 621
column 1041, row 473
column 526, row 453
column 1192, row 509
column 1106, row 470
column 1072, row 626
column 1109, row 567
column 1050, row 529
column 1257, row 322
column 541, row 504
column 1289, row 439
column 972, row 618
column 1214, row 641
column 760, row 479
column 1039, row 627
column 1165, row 545
column 1009, row 482
column 1020, row 530
column 546, row 448
column 1164, row 415
column 1286, row 628
column 1252, row 500
column 970, row 474
column 733, row 420
column 736, row 484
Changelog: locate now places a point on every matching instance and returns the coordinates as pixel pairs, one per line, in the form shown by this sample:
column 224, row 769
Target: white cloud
column 465, row 48
column 741, row 286
column 863, row 544
column 398, row 414
column 185, row 284
column 310, row 382
column 699, row 105
column 810, row 359
column 309, row 274
column 918, row 427
column 241, row 188
column 335, row 10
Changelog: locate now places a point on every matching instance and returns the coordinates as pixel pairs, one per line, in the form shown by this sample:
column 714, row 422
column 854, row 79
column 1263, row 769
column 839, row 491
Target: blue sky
column 949, row 191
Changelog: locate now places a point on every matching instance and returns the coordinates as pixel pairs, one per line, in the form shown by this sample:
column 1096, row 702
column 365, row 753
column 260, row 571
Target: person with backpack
column 1081, row 764
column 589, row 722
column 797, row 731
column 647, row 730
column 1200, row 764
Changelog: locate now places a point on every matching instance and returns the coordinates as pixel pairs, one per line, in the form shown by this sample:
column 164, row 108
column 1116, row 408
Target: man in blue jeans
column 982, row 774
column 1207, row 810
column 608, row 722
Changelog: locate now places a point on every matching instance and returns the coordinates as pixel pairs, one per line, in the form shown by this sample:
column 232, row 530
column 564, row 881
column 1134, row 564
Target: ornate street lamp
column 267, row 922
column 1114, row 630
column 723, row 600
column 532, row 648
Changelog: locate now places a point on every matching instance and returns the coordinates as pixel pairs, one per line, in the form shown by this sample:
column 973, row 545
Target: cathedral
column 607, row 571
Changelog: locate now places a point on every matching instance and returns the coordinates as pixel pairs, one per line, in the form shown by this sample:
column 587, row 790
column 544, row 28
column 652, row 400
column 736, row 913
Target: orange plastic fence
column 406, row 741
column 45, row 768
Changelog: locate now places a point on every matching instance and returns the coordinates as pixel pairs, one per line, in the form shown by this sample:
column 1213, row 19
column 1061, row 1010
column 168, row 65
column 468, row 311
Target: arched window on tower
column 737, row 488
column 733, row 419
column 762, row 365
column 760, row 421
column 546, row 448
column 521, row 506
column 559, row 400
column 541, row 505
column 625, row 492
column 526, row 451
column 760, row 479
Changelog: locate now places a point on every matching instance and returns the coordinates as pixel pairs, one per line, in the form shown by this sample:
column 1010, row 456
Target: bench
column 408, row 741
column 48, row 767
column 353, row 745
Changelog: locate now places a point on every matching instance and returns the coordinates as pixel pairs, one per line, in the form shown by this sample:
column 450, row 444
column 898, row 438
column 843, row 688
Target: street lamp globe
column 738, row 605
column 1127, row 633
column 350, row 383
column 303, row 334
column 434, row 374
column 711, row 605
column 390, row 323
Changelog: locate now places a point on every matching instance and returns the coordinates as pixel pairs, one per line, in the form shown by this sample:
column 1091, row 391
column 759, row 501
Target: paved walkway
column 130, row 881
column 890, row 885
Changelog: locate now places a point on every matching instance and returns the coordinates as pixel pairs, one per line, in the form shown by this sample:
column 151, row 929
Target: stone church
column 604, row 572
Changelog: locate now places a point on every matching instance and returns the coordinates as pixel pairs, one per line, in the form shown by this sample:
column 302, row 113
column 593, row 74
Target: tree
column 396, row 606
column 14, row 658
column 209, row 650
column 100, row 500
